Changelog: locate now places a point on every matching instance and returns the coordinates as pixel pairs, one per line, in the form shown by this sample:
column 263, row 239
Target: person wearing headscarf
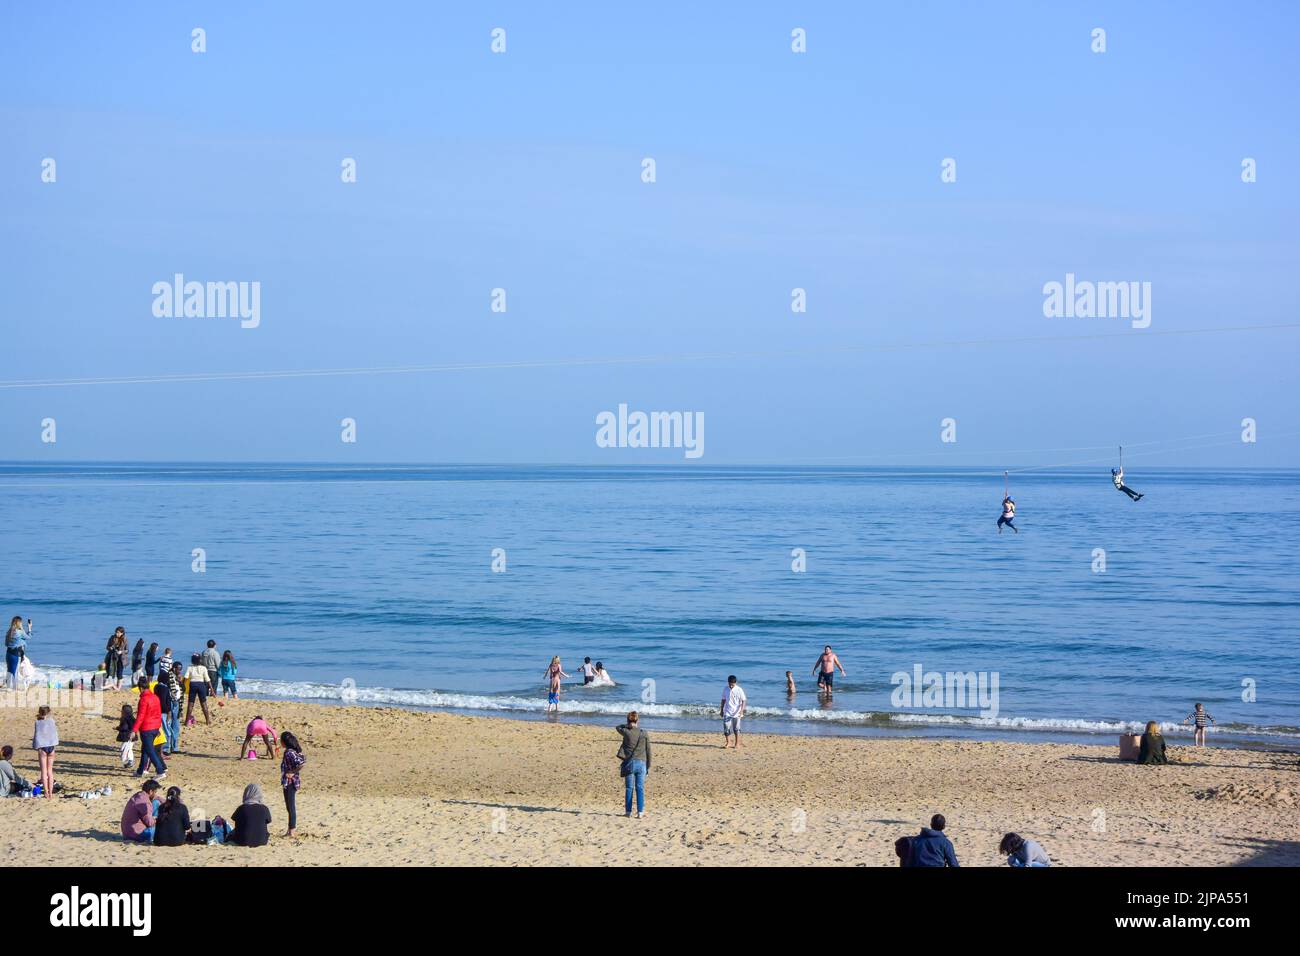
column 251, row 819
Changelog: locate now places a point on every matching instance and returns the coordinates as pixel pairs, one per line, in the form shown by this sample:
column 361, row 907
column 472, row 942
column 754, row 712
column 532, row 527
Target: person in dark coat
column 1151, row 750
column 172, row 823
column 931, row 847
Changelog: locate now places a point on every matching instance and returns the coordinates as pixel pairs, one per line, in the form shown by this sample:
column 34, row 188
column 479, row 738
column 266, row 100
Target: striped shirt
column 1201, row 718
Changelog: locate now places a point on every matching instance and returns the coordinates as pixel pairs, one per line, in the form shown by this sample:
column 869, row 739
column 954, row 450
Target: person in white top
column 588, row 671
column 733, row 709
column 602, row 678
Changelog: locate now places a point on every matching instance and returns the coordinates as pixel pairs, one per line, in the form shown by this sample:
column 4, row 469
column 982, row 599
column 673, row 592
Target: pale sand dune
column 391, row 787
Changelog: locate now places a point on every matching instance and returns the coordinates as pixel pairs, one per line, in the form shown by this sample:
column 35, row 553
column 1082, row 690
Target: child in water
column 1202, row 719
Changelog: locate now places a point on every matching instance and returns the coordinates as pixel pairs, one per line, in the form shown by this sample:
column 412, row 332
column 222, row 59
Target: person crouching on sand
column 1022, row 852
column 634, row 755
column 257, row 727
column 1152, row 747
column 553, row 674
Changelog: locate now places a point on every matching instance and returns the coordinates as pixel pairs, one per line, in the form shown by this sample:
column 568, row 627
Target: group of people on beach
column 146, row 819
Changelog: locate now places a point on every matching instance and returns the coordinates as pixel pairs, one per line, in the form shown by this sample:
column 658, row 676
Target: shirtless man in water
column 825, row 669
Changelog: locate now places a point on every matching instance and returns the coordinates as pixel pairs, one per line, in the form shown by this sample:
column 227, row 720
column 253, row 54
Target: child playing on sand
column 553, row 674
column 126, row 737
column 258, row 727
column 1202, row 719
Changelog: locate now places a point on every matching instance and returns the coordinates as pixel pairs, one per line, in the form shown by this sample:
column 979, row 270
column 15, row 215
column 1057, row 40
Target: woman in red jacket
column 148, row 721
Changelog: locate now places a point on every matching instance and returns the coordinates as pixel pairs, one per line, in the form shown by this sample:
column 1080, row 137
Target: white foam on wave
column 577, row 705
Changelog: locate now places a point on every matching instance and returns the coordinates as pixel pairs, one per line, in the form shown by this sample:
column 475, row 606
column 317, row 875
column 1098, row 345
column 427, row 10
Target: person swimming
column 1117, row 477
column 1008, row 515
column 601, row 678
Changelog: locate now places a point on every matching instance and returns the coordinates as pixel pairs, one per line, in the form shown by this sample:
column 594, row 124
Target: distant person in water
column 588, row 671
column 602, row 677
column 789, row 684
column 1202, row 720
column 1117, row 477
column 1008, row 515
column 825, row 670
column 553, row 674
column 1151, row 750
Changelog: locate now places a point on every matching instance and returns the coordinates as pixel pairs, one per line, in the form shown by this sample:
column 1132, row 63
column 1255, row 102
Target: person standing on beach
column 733, row 709
column 1202, row 720
column 553, row 674
column 162, row 689
column 148, row 722
column 174, row 698
column 123, row 657
column 291, row 777
column 634, row 755
column 45, row 737
column 137, row 661
column 212, row 661
column 197, row 675
column 151, row 661
column 227, row 672
column 825, row 669
column 15, row 649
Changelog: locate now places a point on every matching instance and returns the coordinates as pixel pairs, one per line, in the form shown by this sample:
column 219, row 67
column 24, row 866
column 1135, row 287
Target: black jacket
column 172, row 825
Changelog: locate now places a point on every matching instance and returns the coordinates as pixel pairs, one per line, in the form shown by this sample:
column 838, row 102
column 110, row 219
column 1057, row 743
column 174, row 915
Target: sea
column 452, row 587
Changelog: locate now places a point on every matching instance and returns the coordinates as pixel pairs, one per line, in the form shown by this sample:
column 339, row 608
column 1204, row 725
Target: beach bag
column 629, row 748
column 26, row 670
column 160, row 739
column 1130, row 745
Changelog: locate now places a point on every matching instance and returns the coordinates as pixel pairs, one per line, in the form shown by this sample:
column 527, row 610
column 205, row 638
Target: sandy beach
column 394, row 787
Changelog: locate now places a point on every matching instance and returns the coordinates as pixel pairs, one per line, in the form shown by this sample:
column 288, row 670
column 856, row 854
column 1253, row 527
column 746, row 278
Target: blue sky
column 775, row 171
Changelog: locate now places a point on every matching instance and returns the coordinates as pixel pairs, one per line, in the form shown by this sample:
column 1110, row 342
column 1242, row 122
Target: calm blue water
column 322, row 578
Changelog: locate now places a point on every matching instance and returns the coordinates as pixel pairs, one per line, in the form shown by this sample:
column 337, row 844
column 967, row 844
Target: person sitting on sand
column 931, row 847
column 172, row 822
column 1202, row 719
column 601, row 677
column 1022, row 852
column 251, row 819
column 138, row 816
column 257, row 727
column 635, row 756
column 553, row 673
column 1152, row 747
column 11, row 784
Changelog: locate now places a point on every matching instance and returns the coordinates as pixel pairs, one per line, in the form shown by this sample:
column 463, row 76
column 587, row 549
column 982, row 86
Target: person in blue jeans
column 634, row 757
column 15, row 647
